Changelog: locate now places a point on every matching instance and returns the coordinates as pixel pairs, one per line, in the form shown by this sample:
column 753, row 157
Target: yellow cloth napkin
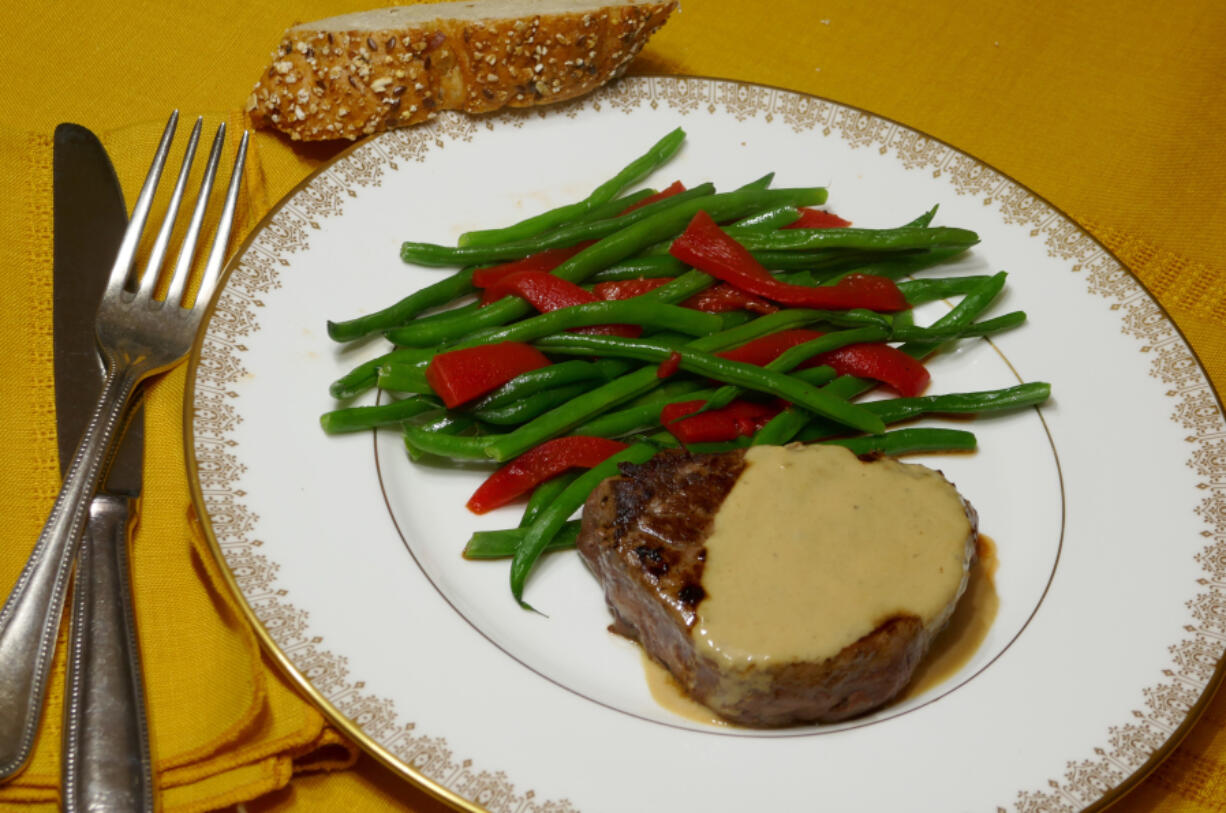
column 1112, row 111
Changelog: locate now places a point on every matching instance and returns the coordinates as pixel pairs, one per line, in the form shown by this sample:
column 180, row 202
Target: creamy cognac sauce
column 952, row 649
column 667, row 692
column 813, row 549
column 967, row 627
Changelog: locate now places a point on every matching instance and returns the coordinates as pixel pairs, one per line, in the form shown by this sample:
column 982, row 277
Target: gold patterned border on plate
column 1130, row 747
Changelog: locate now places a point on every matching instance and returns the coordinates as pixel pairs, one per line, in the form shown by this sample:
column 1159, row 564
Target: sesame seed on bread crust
column 357, row 74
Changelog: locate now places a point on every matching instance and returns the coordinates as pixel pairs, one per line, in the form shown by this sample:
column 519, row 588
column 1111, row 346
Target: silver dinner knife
column 106, row 761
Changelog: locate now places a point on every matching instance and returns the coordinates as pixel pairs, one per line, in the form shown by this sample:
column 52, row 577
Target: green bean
column 365, row 375
column 634, row 418
column 614, row 207
column 794, row 356
column 627, row 242
column 768, row 219
column 619, row 391
column 869, row 239
column 907, row 262
column 446, row 426
column 987, row 327
column 356, row 419
column 645, row 267
column 731, row 319
column 909, row 441
column 960, row 315
column 666, row 389
column 784, row 426
column 529, row 406
column 893, row 410
column 610, row 249
column 586, row 406
column 432, row 296
column 630, row 239
column 555, row 375
column 557, row 421
column 829, row 265
column 546, row 493
column 501, row 544
column 398, row 377
column 546, row 526
column 636, row 170
column 919, row 291
column 450, row 313
column 459, row 284
column 682, row 288
column 665, row 440
column 646, row 415
column 564, row 237
column 637, row 311
column 425, row 440
column 923, row 220
column 743, row 375
column 439, row 331
column 831, row 260
column 781, row 428
column 671, row 221
column 763, row 183
column 974, row 303
column 674, row 212
column 757, row 328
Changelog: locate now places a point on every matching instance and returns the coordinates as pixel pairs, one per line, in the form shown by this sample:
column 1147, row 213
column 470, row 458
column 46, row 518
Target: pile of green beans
column 611, row 386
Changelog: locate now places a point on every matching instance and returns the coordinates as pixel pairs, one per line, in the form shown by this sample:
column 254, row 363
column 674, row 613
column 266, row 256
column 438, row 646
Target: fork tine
column 191, row 239
column 140, row 213
column 217, row 254
column 157, row 253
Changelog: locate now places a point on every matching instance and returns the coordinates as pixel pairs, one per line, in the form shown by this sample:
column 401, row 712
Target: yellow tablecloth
column 1113, row 111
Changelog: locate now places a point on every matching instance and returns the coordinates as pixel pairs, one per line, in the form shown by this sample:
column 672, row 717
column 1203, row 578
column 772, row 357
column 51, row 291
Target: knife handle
column 106, row 762
column 30, row 618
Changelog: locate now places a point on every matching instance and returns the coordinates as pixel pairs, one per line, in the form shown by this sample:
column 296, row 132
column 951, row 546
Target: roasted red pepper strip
column 727, row 423
column 539, row 464
column 708, row 248
column 675, row 188
column 459, row 376
column 766, row 349
column 818, row 219
column 627, row 288
column 546, row 260
column 669, row 366
column 723, row 298
column 543, row 290
column 549, row 293
column 716, row 299
column 880, row 362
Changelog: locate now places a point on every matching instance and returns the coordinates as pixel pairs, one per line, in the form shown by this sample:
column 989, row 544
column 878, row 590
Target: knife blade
column 106, row 760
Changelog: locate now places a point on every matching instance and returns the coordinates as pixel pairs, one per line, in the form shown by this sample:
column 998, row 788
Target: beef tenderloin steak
column 658, row 540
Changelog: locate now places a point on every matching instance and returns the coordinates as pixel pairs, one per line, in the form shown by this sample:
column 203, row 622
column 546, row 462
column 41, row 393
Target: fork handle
column 106, row 763
column 30, row 618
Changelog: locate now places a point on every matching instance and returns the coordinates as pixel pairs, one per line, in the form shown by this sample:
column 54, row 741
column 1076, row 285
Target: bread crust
column 326, row 84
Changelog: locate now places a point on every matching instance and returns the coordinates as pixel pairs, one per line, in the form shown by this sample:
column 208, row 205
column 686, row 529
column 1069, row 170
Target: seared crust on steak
column 644, row 536
column 664, row 507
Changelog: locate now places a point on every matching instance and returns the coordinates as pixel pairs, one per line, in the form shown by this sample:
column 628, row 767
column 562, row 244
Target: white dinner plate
column 1106, row 504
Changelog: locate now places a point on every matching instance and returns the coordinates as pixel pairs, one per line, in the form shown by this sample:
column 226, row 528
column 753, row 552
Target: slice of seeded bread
column 356, row 74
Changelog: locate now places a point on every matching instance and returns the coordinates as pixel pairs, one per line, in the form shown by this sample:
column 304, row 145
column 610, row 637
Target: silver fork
column 139, row 336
